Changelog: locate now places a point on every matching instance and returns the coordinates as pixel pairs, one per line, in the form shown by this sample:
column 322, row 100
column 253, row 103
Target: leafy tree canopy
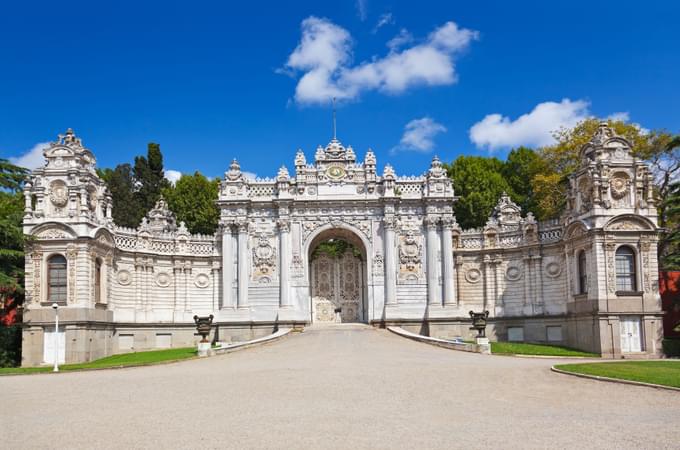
column 193, row 200
column 135, row 190
column 479, row 183
column 11, row 232
column 562, row 158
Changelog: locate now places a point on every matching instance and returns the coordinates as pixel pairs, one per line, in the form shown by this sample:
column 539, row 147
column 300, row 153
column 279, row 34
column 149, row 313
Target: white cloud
column 173, row 175
column 324, row 57
column 403, row 38
column 33, row 158
column 362, row 9
column 419, row 135
column 622, row 116
column 383, row 20
column 532, row 129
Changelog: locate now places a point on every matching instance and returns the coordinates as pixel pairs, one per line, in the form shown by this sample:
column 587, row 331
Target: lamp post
column 55, row 341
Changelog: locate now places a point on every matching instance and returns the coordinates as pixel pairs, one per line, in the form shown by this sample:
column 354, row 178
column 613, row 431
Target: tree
column 193, row 200
column 11, row 232
column 150, row 177
column 12, row 260
column 663, row 156
column 669, row 248
column 135, row 190
column 521, row 167
column 561, row 159
column 127, row 208
column 479, row 183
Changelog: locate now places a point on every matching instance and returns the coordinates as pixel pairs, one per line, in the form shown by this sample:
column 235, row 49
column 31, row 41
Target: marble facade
column 133, row 289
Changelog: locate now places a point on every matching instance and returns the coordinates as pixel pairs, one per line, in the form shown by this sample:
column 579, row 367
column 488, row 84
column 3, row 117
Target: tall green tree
column 193, row 200
column 479, row 183
column 669, row 248
column 11, row 233
column 150, row 176
column 127, row 208
column 135, row 190
column 519, row 170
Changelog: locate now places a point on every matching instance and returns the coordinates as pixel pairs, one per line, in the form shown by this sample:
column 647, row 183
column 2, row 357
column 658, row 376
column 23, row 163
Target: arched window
column 582, row 273
column 56, row 279
column 625, row 269
column 98, row 280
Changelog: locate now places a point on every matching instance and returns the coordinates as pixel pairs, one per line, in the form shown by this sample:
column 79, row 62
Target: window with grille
column 56, row 279
column 98, row 280
column 582, row 273
column 625, row 269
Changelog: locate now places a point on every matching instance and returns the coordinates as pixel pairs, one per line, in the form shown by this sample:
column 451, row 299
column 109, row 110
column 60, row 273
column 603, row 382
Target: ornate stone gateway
column 405, row 258
column 337, row 287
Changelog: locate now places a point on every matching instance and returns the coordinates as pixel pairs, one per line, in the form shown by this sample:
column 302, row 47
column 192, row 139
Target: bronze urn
column 479, row 322
column 203, row 325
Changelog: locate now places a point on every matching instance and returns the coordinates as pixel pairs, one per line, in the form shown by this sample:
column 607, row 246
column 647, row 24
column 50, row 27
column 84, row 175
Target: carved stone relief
column 53, row 233
column 472, row 273
column 37, row 262
column 72, row 256
column 410, row 255
column 610, row 248
column 123, row 277
column 264, row 259
column 163, row 279
column 513, row 273
column 553, row 268
column 202, row 280
column 58, row 193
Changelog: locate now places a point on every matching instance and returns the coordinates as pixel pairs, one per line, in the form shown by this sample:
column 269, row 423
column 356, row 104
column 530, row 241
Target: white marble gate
column 337, row 285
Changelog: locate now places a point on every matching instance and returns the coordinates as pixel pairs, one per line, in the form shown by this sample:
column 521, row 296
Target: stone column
column 390, row 263
column 433, row 291
column 227, row 267
column 243, row 265
column 447, row 257
column 459, row 268
column 284, row 262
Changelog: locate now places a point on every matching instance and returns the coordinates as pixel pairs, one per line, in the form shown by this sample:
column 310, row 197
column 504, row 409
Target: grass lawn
column 126, row 359
column 666, row 373
column 520, row 348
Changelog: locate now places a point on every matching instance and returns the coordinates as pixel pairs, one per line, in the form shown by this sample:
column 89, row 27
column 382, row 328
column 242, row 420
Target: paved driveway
column 339, row 387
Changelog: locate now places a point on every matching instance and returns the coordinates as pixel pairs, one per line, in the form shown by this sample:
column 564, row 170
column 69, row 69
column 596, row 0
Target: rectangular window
column 582, row 273
column 553, row 334
column 625, row 273
column 163, row 340
column 515, row 334
column 126, row 341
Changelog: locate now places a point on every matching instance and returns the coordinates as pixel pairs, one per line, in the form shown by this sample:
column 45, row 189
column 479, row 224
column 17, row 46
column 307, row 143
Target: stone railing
column 177, row 243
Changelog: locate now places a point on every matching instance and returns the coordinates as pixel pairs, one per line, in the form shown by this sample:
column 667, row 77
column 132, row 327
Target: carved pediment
column 629, row 223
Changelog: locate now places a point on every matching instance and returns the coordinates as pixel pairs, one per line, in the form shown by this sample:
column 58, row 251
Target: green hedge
column 671, row 346
column 10, row 345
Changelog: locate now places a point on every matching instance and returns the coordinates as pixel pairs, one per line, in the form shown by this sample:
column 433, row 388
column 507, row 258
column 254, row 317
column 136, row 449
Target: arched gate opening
column 337, row 275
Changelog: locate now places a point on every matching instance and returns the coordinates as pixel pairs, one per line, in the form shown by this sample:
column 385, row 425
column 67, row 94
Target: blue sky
column 211, row 81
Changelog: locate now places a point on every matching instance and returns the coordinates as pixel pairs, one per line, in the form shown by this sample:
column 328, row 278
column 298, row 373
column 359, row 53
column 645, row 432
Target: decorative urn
column 479, row 322
column 203, row 325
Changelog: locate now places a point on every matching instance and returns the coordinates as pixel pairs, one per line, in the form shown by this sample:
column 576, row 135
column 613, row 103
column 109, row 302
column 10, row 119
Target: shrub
column 671, row 346
column 10, row 345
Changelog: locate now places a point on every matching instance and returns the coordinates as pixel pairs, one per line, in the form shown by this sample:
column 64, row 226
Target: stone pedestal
column 484, row 344
column 203, row 349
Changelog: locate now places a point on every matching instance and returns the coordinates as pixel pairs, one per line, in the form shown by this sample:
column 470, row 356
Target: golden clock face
column 335, row 172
